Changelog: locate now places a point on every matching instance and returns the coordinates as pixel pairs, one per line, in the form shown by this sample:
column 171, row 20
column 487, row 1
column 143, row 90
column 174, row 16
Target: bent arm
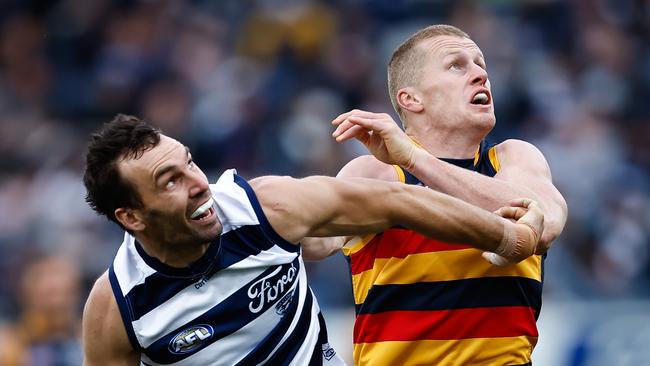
column 524, row 173
column 324, row 206
column 104, row 338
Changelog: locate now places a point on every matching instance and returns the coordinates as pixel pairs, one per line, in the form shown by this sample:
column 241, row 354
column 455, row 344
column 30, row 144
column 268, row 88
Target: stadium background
column 254, row 84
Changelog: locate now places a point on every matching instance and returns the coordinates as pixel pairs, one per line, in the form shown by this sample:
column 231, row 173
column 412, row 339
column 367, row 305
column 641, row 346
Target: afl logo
column 190, row 339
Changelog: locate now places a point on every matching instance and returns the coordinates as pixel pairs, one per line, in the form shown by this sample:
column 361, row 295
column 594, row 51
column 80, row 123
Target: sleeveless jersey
column 420, row 301
column 244, row 302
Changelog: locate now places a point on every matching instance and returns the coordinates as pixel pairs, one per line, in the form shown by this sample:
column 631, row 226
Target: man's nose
column 479, row 75
column 198, row 183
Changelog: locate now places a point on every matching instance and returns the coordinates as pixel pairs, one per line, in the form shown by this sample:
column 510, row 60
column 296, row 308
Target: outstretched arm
column 524, row 171
column 324, row 206
column 365, row 166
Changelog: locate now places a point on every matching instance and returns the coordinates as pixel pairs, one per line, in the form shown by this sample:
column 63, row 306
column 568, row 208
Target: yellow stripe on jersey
column 494, row 159
column 475, row 351
column 356, row 244
column 400, row 173
column 477, row 154
column 438, row 266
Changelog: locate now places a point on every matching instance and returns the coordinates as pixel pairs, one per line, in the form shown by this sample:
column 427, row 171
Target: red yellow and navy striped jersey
column 420, row 301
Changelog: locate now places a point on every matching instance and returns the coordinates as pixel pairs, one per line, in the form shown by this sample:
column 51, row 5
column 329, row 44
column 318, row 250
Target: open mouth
column 481, row 98
column 204, row 211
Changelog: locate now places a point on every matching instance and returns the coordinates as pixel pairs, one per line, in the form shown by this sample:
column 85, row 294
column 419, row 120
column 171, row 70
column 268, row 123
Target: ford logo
column 190, row 339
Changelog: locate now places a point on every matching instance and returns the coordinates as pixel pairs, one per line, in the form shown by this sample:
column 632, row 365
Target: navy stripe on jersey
column 457, row 294
column 262, row 352
column 292, row 344
column 158, row 288
column 225, row 318
column 317, row 356
column 124, row 308
column 264, row 223
column 199, row 267
column 266, row 346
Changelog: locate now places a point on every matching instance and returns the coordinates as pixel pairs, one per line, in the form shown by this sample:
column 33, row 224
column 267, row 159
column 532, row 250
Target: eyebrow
column 455, row 52
column 168, row 168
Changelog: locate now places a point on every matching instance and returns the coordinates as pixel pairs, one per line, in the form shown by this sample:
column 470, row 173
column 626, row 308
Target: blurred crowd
column 253, row 84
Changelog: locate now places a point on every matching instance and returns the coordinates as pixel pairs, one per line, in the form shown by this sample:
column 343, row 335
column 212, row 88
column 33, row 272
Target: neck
column 444, row 142
column 176, row 256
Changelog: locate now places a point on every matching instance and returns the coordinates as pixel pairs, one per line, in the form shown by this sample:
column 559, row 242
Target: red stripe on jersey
column 506, row 321
column 396, row 243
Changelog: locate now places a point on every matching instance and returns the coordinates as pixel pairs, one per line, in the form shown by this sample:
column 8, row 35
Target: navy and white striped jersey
column 245, row 302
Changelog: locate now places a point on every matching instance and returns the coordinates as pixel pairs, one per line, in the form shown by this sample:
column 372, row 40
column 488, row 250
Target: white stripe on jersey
column 234, row 347
column 304, row 354
column 191, row 302
column 301, row 303
column 229, row 197
column 129, row 268
column 273, row 256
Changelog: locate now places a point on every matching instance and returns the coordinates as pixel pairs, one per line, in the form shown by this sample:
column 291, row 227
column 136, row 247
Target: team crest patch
column 328, row 351
column 190, row 339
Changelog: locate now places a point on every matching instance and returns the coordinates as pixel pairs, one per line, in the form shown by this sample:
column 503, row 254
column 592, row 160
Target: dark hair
column 123, row 137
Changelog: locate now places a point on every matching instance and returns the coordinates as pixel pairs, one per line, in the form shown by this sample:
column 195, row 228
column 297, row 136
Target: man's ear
column 129, row 218
column 409, row 99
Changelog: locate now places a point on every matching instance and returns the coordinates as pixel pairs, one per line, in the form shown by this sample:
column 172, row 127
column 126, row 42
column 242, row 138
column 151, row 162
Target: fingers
column 534, row 217
column 355, row 125
column 355, row 112
column 514, row 213
column 348, row 130
column 523, row 202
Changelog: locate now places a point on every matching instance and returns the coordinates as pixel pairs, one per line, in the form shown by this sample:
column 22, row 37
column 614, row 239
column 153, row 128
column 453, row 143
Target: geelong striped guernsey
column 244, row 302
column 424, row 302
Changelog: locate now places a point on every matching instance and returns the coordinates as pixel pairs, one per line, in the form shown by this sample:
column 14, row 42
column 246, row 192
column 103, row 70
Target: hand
column 379, row 133
column 521, row 241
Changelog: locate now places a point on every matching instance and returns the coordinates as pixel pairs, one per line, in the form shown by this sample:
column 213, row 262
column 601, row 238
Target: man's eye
column 190, row 164
column 170, row 184
column 454, row 66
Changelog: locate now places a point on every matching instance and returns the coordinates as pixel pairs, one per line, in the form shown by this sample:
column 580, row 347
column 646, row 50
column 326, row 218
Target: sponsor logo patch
column 270, row 288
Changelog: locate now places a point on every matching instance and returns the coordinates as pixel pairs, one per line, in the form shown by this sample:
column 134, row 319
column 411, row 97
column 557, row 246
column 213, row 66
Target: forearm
column 469, row 186
column 490, row 193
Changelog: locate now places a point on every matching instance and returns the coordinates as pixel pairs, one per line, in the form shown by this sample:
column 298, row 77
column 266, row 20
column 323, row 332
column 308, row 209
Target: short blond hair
column 407, row 60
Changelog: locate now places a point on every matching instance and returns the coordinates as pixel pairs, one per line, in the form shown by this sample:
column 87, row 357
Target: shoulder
column 272, row 183
column 101, row 295
column 513, row 147
column 367, row 166
column 104, row 335
column 520, row 155
column 513, row 151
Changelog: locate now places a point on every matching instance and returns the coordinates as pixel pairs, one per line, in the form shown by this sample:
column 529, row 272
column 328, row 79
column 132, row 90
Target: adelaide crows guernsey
column 420, row 301
column 244, row 302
